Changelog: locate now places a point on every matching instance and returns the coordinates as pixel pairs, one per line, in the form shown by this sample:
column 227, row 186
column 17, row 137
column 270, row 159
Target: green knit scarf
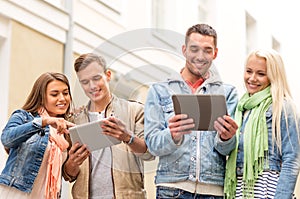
column 255, row 143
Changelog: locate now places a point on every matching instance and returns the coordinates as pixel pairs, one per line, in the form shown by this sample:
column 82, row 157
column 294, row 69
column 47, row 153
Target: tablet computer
column 204, row 109
column 91, row 135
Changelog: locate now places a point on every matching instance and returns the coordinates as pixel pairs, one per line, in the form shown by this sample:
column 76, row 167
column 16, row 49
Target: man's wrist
column 130, row 141
column 67, row 174
column 223, row 139
column 178, row 139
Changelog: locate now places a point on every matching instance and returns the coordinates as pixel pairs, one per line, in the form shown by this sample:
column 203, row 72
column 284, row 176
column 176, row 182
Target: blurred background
column 141, row 41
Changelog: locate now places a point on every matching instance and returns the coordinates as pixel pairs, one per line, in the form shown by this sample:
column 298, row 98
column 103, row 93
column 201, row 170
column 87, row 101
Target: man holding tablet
column 191, row 162
column 111, row 172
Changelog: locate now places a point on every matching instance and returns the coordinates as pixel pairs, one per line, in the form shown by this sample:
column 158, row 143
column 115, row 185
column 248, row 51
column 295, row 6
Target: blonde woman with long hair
column 266, row 160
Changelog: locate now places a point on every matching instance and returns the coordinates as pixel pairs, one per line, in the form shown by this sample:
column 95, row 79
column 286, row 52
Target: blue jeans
column 168, row 192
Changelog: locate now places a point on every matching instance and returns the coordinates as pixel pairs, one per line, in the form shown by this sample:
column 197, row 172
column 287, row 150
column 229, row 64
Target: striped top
column 265, row 186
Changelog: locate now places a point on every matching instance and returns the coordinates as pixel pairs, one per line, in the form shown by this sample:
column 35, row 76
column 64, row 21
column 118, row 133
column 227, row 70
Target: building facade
column 140, row 39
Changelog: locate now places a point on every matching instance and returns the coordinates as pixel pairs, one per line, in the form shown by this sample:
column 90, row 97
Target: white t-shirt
column 101, row 183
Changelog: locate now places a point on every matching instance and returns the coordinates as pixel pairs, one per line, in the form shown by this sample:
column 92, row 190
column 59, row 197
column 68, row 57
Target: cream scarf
column 58, row 144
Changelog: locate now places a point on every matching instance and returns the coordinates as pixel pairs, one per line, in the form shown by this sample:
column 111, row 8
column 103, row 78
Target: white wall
column 4, row 81
column 274, row 18
column 284, row 22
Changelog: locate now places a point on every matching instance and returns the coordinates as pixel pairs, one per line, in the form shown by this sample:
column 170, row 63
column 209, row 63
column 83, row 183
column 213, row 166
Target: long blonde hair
column 280, row 91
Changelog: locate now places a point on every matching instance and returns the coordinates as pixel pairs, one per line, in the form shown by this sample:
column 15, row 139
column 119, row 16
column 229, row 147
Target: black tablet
column 204, row 109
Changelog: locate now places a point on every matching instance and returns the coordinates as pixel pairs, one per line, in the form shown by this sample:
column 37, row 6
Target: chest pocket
column 167, row 108
column 167, row 104
column 165, row 100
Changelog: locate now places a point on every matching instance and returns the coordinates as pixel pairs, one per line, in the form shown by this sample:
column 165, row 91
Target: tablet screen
column 204, row 109
column 91, row 135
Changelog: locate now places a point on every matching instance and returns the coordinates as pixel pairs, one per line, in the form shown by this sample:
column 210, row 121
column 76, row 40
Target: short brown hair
column 203, row 29
column 85, row 59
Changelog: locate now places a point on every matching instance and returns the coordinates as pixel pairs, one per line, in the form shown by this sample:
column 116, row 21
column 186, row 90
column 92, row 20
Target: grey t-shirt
column 101, row 185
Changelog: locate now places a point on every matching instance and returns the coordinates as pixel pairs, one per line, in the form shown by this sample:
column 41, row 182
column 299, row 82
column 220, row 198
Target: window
column 251, row 33
column 275, row 44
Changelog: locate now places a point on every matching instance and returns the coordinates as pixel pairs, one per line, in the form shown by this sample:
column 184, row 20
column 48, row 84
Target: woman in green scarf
column 266, row 160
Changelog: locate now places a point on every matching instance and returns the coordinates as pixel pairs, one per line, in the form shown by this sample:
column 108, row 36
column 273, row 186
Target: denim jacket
column 287, row 162
column 27, row 142
column 201, row 157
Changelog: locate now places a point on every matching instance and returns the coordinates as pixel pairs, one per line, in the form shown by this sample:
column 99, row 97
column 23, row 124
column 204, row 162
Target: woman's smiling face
column 255, row 75
column 58, row 98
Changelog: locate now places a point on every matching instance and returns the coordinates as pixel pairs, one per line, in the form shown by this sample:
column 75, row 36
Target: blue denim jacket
column 287, row 163
column 202, row 155
column 27, row 142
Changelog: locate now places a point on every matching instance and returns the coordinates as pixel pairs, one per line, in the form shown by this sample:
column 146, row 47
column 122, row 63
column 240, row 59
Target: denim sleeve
column 231, row 100
column 157, row 134
column 18, row 129
column 290, row 156
column 225, row 147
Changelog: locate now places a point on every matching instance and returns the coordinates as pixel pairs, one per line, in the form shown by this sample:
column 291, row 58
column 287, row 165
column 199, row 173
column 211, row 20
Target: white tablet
column 91, row 135
column 204, row 109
